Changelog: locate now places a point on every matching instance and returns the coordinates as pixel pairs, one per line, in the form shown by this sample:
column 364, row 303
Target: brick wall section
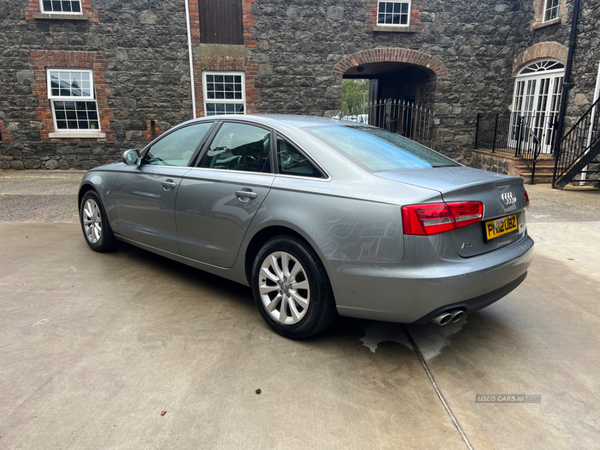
column 540, row 50
column 415, row 25
column 4, row 133
column 248, row 23
column 538, row 14
column 40, row 61
column 244, row 64
column 147, row 133
column 86, row 8
column 391, row 54
column 194, row 21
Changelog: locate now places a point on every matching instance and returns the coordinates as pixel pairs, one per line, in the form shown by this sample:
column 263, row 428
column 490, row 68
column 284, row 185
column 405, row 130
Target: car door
column 145, row 194
column 218, row 199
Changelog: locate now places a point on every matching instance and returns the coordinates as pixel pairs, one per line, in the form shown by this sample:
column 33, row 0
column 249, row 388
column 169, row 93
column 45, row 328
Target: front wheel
column 94, row 223
column 292, row 289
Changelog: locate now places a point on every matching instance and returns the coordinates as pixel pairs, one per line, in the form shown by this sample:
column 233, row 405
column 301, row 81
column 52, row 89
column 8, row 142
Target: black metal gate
column 404, row 118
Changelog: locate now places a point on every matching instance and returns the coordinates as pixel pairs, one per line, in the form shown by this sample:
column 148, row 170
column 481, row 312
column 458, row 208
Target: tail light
column 526, row 195
column 434, row 218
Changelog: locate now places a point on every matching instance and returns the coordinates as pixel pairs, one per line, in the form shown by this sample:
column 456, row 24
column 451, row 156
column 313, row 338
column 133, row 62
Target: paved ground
column 94, row 346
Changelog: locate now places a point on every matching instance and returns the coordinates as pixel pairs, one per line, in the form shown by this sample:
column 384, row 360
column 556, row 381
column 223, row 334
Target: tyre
column 94, row 223
column 291, row 288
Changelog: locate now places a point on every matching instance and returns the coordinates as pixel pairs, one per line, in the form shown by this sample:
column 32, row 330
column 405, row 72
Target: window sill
column 395, row 29
column 537, row 26
column 52, row 16
column 77, row 135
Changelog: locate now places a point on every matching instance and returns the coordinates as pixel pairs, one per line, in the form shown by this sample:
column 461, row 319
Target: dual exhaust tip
column 446, row 317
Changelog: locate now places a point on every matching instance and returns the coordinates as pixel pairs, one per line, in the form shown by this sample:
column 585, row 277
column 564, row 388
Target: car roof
column 291, row 120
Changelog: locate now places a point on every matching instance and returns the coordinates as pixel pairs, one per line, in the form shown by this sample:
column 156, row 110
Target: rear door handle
column 168, row 184
column 246, row 194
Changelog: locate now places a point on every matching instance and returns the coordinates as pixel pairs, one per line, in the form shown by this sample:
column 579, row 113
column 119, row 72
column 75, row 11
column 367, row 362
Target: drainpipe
column 566, row 86
column 189, row 38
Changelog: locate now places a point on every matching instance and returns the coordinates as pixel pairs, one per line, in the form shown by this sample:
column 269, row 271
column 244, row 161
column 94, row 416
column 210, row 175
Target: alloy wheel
column 92, row 221
column 284, row 288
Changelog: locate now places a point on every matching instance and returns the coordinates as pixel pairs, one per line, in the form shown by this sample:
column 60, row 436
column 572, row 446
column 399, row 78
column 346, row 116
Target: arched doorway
column 400, row 98
column 537, row 94
column 396, row 81
column 402, row 84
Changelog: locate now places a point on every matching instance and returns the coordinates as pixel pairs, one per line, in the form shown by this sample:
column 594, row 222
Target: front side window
column 224, row 93
column 178, row 147
column 73, row 100
column 376, row 150
column 551, row 10
column 393, row 13
column 241, row 147
column 61, row 6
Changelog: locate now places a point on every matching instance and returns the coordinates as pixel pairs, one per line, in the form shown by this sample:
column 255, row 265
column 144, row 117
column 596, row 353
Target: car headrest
column 251, row 148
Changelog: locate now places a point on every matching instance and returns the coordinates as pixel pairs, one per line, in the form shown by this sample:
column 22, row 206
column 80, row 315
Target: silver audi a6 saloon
column 319, row 217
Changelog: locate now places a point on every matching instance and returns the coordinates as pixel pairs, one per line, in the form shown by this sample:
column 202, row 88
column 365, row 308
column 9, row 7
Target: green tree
column 355, row 94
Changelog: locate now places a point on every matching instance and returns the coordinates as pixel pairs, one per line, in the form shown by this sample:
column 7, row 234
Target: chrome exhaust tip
column 457, row 314
column 442, row 319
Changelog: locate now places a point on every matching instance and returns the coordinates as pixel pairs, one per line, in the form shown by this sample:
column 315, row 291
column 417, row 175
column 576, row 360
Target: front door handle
column 168, row 184
column 246, row 194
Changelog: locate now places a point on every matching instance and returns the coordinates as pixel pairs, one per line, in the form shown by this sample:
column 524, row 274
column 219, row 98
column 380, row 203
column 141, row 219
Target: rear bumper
column 408, row 293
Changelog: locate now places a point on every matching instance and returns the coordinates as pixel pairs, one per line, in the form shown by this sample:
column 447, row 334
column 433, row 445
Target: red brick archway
column 402, row 55
column 540, row 50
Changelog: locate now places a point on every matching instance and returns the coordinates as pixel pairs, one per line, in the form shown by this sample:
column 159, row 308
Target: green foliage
column 355, row 94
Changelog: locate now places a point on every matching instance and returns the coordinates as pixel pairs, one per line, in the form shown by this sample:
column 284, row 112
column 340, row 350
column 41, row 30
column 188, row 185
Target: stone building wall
column 294, row 56
column 142, row 54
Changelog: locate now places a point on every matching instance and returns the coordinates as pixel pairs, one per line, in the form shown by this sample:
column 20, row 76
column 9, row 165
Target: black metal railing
column 578, row 148
column 528, row 143
column 499, row 132
column 407, row 119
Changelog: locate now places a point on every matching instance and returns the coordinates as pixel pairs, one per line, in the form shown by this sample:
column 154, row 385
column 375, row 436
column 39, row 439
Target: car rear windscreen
column 379, row 150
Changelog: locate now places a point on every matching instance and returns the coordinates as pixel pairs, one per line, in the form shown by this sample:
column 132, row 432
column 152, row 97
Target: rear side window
column 378, row 150
column 240, row 147
column 178, row 147
column 293, row 162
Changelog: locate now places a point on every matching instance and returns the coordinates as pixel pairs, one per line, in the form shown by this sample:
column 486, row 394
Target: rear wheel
column 94, row 223
column 291, row 288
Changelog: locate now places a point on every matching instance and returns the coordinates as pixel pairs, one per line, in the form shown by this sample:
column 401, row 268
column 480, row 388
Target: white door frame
column 536, row 97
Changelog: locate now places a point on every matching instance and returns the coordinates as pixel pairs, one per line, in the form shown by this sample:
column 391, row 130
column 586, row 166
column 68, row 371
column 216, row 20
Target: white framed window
column 395, row 13
column 73, row 100
column 224, row 93
column 551, row 10
column 61, row 6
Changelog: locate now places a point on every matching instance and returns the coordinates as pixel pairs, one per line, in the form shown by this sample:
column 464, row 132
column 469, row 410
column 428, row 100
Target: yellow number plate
column 499, row 227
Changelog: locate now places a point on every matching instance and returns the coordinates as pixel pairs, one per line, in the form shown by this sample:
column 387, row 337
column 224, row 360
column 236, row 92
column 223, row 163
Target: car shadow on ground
column 432, row 340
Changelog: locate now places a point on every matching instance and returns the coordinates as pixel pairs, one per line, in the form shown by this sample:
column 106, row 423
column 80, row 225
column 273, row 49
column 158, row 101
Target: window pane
column 60, row 6
column 70, row 84
column 377, row 149
column 239, row 147
column 292, row 162
column 393, row 13
column 76, row 115
column 178, row 147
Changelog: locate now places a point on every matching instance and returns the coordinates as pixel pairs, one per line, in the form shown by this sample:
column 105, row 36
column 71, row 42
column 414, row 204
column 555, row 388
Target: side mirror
column 131, row 157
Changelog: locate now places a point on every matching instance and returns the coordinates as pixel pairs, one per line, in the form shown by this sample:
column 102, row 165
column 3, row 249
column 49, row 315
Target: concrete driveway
column 94, row 347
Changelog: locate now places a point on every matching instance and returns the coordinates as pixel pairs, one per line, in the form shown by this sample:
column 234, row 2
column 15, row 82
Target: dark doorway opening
column 400, row 98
